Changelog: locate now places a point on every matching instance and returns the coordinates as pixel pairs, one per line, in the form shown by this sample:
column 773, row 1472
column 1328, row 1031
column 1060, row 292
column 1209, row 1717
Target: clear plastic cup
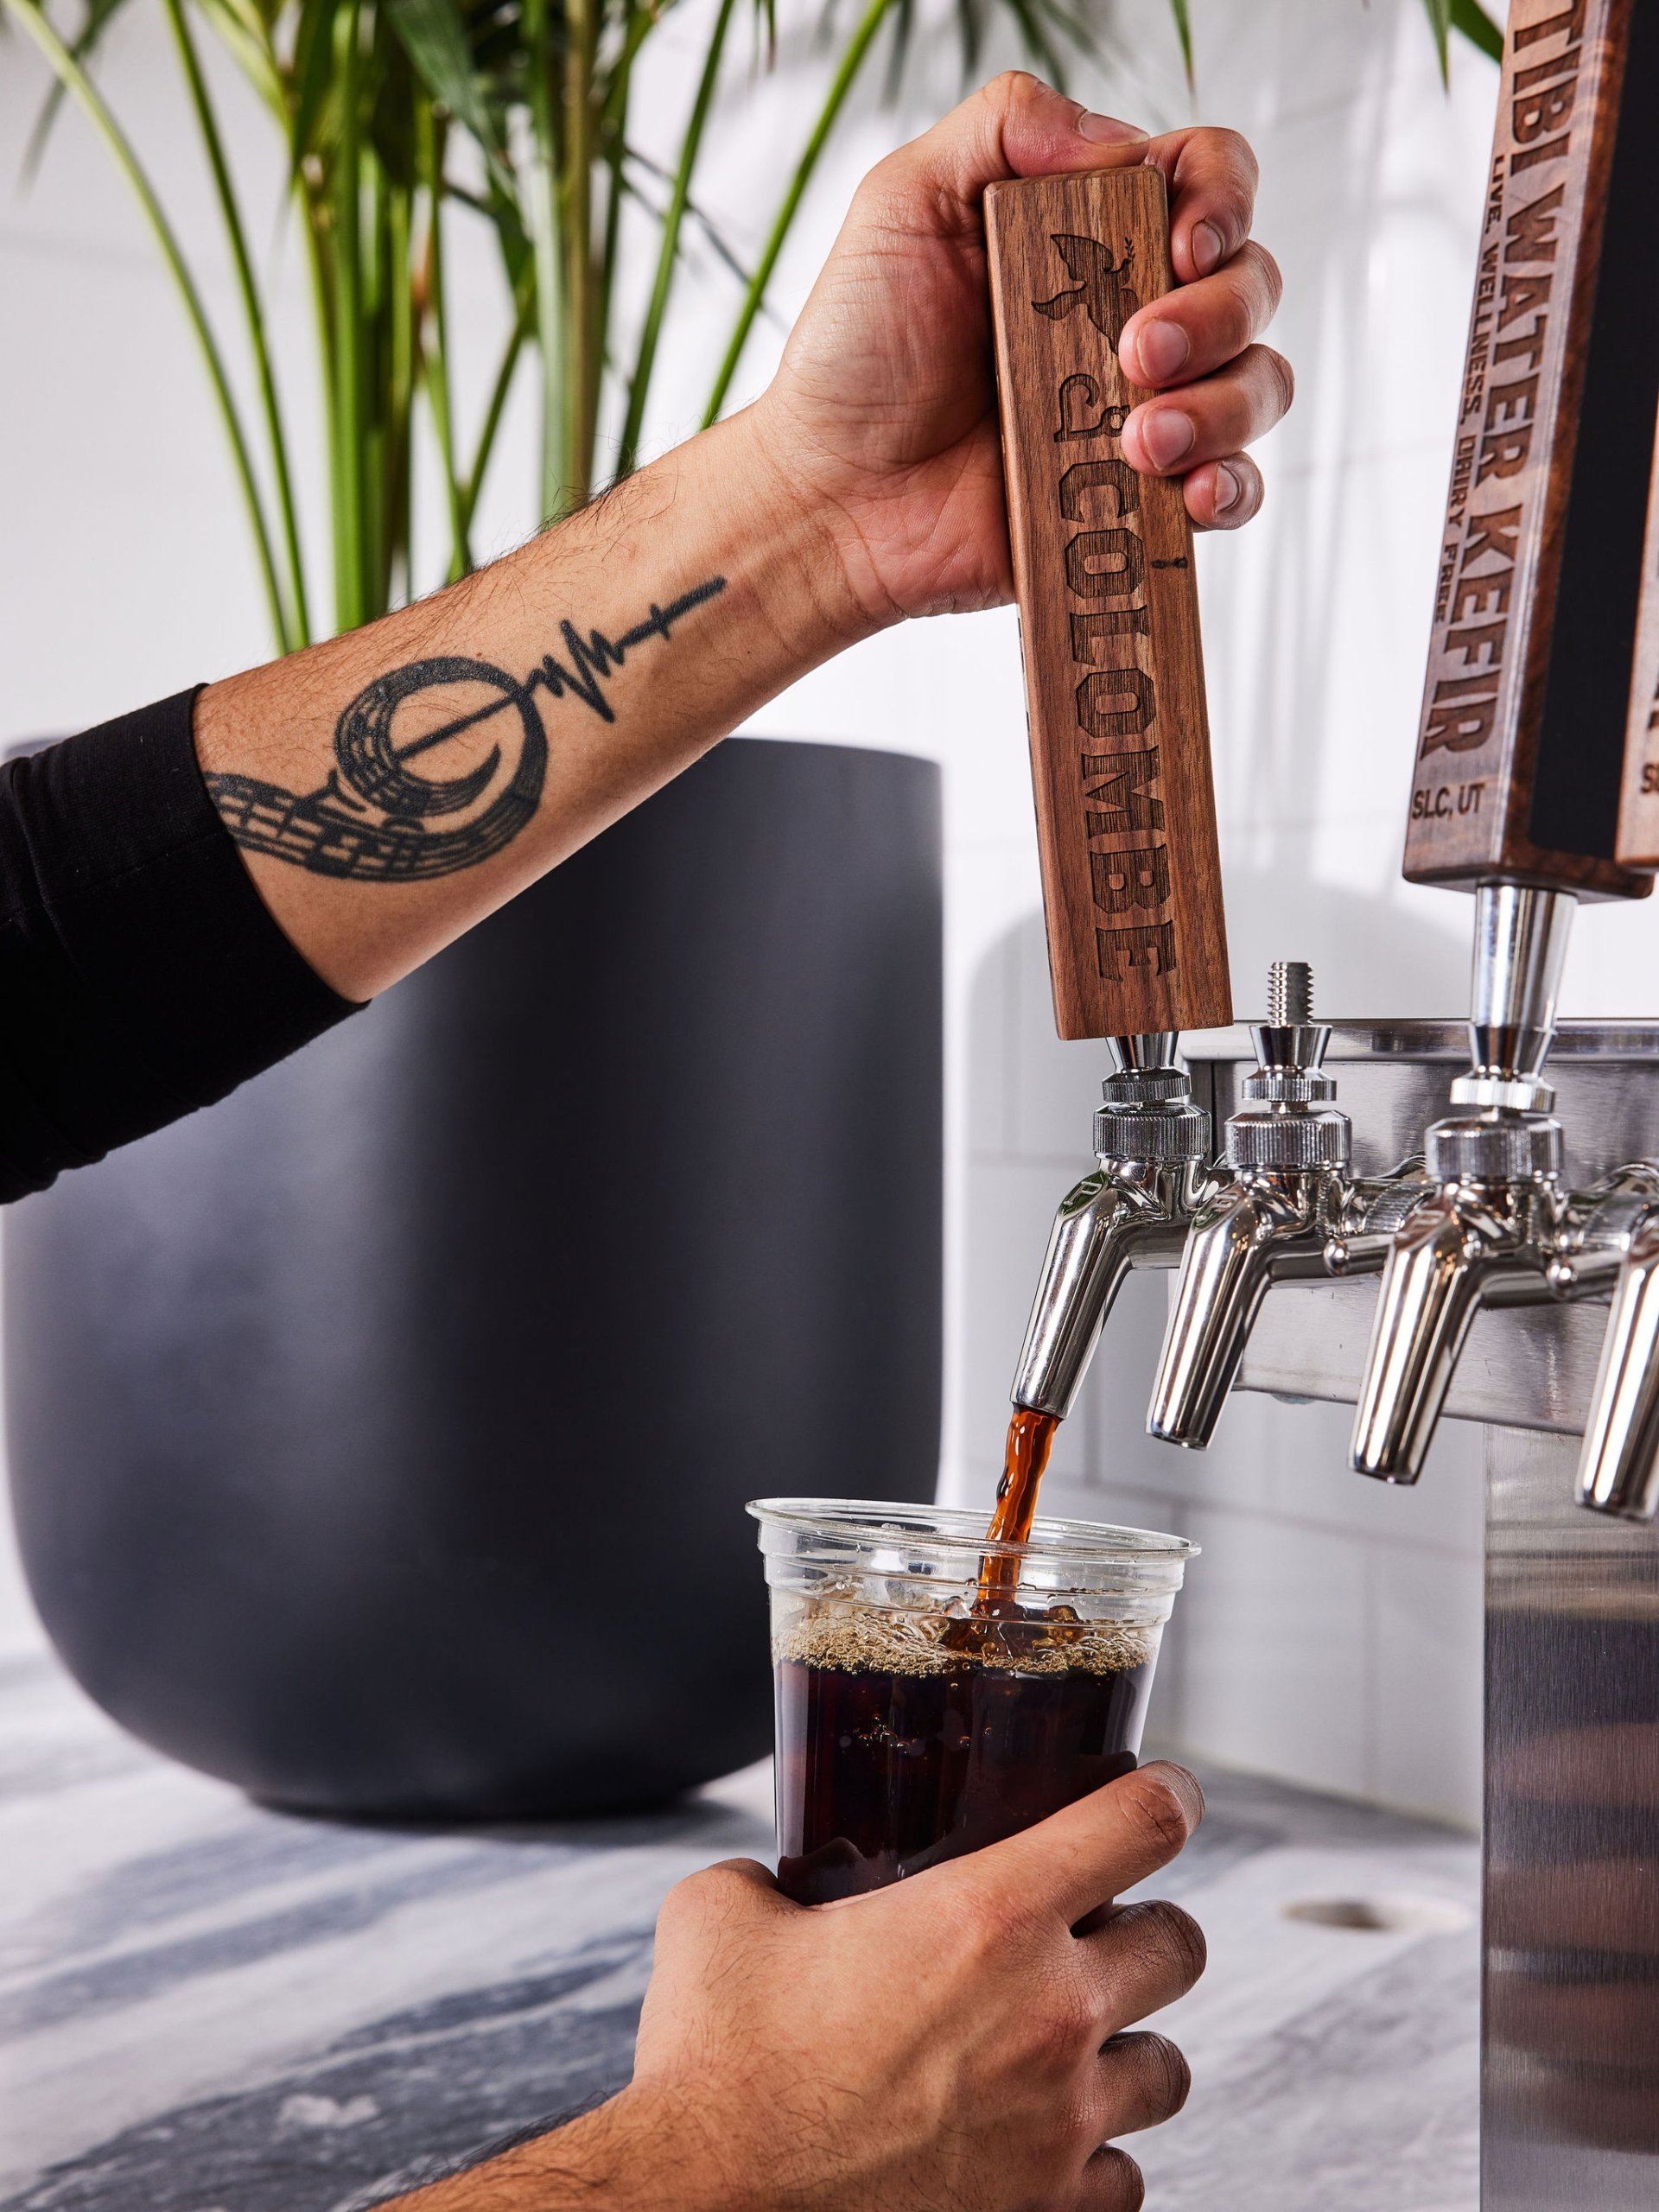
column 912, row 1728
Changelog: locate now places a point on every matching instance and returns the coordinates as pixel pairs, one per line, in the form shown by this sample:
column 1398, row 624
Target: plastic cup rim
column 875, row 1518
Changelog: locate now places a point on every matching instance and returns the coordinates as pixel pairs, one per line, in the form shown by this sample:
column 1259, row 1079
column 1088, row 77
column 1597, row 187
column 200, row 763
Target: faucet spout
column 1619, row 1471
column 1111, row 1222
column 1447, row 1257
column 1232, row 1255
column 1150, row 1142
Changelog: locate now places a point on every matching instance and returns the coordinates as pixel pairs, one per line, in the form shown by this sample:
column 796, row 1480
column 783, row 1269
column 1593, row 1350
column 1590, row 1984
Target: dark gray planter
column 378, row 1438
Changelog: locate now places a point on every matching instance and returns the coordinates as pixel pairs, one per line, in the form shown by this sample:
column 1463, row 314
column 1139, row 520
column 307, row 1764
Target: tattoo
column 374, row 819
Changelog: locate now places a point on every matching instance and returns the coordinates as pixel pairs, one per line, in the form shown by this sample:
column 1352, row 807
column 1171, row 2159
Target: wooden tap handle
column 1638, row 804
column 1109, row 615
column 1520, row 751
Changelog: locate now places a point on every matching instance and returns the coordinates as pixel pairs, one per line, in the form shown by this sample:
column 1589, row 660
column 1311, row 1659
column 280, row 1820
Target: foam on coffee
column 838, row 1630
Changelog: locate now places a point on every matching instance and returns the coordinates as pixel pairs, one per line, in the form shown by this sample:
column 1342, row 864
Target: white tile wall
column 1330, row 1631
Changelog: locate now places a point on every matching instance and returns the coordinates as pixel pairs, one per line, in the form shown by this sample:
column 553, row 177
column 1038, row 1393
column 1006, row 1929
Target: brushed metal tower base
column 1570, row 1946
column 1570, row 2013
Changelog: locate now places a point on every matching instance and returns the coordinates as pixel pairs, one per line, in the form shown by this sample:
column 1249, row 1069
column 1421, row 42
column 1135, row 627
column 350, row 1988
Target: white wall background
column 1331, row 1631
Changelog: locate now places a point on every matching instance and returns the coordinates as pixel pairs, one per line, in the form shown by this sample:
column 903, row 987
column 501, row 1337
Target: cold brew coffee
column 902, row 1742
column 938, row 1689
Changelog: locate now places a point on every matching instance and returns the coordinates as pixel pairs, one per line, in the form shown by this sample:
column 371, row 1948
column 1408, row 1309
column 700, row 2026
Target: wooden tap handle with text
column 1109, row 615
column 1520, row 747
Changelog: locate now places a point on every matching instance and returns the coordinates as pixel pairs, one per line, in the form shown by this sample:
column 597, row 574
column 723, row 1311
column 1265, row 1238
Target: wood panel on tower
column 1102, row 567
column 1520, row 747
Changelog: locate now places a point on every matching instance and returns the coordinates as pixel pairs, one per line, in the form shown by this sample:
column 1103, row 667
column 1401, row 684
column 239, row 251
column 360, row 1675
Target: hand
column 884, row 408
column 956, row 2040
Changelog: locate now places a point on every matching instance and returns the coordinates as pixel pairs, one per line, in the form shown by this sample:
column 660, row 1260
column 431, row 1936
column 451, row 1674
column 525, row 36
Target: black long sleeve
column 140, row 975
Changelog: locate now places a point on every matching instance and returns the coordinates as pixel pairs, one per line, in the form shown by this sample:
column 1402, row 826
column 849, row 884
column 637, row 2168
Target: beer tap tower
column 1120, row 747
column 1536, row 789
column 1521, row 751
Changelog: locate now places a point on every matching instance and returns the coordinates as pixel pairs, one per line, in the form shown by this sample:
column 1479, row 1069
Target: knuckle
column 1237, row 152
column 1270, row 277
column 1180, row 1936
column 1120, row 2185
column 1241, row 321
column 1067, row 2021
column 1012, row 87
column 704, row 1899
column 1154, row 1811
column 1280, row 376
column 1171, row 2076
column 683, row 1910
column 986, row 1919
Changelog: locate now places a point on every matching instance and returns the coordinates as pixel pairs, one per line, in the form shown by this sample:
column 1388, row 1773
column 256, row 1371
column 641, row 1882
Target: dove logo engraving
column 1100, row 286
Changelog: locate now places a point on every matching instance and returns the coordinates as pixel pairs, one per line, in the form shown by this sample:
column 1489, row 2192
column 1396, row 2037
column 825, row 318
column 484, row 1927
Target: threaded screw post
column 1290, row 993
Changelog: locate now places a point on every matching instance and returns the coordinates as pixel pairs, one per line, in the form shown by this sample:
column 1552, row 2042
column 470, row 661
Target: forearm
column 389, row 788
column 638, row 2152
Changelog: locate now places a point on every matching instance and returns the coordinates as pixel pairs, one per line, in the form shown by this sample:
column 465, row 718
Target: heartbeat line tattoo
column 376, row 820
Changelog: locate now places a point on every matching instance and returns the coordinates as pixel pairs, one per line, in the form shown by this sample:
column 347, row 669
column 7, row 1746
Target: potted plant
column 402, row 119
column 379, row 1437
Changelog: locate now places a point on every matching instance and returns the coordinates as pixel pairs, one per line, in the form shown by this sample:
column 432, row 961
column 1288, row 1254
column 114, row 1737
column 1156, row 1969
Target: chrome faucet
column 1152, row 1142
column 1618, row 1467
column 1497, row 1226
column 1290, row 1210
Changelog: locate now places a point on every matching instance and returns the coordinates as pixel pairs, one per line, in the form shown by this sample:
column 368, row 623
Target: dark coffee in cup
column 937, row 1689
column 890, row 1760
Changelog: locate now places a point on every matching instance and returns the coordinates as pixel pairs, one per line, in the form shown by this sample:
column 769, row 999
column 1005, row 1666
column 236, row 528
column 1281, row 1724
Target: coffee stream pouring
column 1515, row 795
column 1120, row 750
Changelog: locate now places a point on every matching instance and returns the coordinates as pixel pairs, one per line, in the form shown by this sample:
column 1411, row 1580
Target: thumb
column 1015, row 126
column 1082, row 1857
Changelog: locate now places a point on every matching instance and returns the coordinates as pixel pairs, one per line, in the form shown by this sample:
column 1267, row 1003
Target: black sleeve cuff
column 141, row 974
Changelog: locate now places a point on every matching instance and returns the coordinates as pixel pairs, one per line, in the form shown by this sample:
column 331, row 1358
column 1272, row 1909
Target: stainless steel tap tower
column 1537, row 788
column 1535, row 1200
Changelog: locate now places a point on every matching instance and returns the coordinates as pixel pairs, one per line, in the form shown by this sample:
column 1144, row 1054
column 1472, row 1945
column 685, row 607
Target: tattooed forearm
column 376, row 818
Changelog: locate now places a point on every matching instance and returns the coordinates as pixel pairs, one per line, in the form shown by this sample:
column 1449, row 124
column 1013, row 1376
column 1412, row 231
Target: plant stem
column 351, row 598
column 376, row 550
column 80, row 87
column 669, row 250
column 541, row 219
column 614, row 132
column 400, row 393
column 429, row 140
column 851, row 61
column 299, row 616
column 580, row 391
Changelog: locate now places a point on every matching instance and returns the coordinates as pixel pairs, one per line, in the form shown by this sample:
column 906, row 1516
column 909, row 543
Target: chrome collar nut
column 1499, row 1149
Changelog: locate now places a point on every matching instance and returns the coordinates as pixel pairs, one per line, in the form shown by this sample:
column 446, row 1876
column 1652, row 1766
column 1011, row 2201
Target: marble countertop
column 206, row 2006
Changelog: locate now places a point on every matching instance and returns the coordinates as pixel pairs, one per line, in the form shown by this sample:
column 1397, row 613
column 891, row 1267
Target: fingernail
column 1166, row 435
column 1160, row 348
column 1106, row 131
column 1228, row 488
column 1208, row 246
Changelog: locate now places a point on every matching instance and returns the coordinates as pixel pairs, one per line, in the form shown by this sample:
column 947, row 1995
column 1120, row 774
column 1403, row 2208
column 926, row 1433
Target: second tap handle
column 1520, row 747
column 1109, row 617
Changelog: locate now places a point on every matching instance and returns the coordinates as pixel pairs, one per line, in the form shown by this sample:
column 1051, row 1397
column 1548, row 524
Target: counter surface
column 206, row 2006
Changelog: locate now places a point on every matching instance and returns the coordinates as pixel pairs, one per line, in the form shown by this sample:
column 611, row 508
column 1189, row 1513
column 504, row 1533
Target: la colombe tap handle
column 1520, row 756
column 1119, row 740
column 1109, row 615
